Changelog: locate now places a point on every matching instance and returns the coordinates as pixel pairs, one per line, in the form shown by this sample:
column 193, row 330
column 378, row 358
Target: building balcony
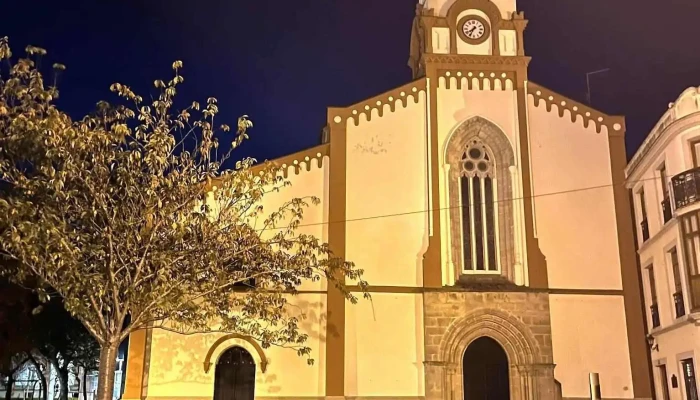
column 679, row 304
column 645, row 230
column 655, row 320
column 686, row 188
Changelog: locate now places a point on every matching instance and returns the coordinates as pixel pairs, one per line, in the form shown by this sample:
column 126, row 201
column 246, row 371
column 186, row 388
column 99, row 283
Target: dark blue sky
column 283, row 62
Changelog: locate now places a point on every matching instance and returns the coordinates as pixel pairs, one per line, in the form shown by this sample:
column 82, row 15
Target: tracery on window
column 478, row 198
column 480, row 168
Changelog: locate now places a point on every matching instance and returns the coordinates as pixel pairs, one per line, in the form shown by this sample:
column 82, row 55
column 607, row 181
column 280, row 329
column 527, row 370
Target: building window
column 478, row 218
column 666, row 202
column 691, row 247
column 695, row 151
column 678, row 292
column 480, row 167
column 655, row 318
column 691, row 387
column 644, row 225
column 663, row 377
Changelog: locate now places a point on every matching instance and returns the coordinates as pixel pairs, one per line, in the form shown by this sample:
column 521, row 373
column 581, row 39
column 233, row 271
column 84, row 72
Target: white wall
column 387, row 194
column 384, row 346
column 575, row 218
column 176, row 362
column 589, row 334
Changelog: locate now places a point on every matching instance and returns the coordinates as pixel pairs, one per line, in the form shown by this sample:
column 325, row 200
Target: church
column 492, row 221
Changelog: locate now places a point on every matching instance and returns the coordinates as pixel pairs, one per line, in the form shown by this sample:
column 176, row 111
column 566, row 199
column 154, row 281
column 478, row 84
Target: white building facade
column 664, row 180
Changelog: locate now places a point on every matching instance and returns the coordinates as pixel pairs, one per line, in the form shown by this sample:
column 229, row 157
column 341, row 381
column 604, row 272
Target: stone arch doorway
column 485, row 371
column 235, row 375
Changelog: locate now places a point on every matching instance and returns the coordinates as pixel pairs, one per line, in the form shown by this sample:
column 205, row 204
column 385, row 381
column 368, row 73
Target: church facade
column 492, row 221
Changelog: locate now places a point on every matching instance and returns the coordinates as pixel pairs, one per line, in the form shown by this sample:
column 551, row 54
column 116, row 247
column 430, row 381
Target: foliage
column 130, row 212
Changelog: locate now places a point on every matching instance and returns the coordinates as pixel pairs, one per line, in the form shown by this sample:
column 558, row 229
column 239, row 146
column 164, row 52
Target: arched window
column 235, row 375
column 478, row 198
column 480, row 171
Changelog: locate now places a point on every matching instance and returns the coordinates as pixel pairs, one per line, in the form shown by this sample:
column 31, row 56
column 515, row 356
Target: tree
column 41, row 335
column 130, row 212
column 62, row 341
column 15, row 327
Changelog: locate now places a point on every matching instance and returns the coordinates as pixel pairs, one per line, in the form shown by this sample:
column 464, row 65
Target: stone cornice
column 392, row 98
column 293, row 162
column 669, row 119
column 615, row 124
column 460, row 59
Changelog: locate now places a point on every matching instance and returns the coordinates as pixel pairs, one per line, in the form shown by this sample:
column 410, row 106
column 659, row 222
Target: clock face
column 474, row 29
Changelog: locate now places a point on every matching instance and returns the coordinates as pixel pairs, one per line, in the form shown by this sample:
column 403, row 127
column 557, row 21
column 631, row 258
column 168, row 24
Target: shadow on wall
column 179, row 359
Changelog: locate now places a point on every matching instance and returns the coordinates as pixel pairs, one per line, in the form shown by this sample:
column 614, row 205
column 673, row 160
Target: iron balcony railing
column 668, row 211
column 645, row 230
column 679, row 304
column 686, row 188
column 655, row 320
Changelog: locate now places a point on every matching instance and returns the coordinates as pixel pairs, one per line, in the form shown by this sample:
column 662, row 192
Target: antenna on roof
column 588, row 82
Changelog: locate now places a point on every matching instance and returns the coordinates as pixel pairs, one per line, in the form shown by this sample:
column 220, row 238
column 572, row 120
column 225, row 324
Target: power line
column 457, row 207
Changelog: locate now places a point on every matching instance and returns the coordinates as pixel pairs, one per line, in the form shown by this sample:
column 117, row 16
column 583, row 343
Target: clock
column 473, row 29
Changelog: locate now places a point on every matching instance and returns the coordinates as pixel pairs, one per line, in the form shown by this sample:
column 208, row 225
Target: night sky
column 283, row 62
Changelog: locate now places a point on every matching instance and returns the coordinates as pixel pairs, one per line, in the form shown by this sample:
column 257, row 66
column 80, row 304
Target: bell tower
column 491, row 28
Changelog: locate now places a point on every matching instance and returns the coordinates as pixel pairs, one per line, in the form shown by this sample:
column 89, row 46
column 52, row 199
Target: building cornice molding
column 614, row 124
column 666, row 120
column 447, row 60
column 302, row 160
column 400, row 96
column 656, row 142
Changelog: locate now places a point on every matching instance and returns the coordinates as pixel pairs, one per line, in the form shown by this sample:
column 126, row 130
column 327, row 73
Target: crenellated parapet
column 402, row 97
column 476, row 79
column 304, row 160
column 614, row 124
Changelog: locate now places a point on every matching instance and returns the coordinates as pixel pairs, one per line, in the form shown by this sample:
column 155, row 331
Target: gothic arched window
column 477, row 195
column 480, row 168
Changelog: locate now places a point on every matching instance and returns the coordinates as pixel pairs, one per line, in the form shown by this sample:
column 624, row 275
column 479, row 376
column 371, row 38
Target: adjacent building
column 491, row 218
column 664, row 180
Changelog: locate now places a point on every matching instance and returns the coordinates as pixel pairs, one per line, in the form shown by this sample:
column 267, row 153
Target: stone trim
column 519, row 322
column 460, row 29
column 503, row 63
column 518, row 343
column 337, row 212
column 294, row 163
column 476, row 79
column 401, row 96
column 501, row 150
column 491, row 11
column 476, row 289
column 207, row 359
column 669, row 117
column 614, row 124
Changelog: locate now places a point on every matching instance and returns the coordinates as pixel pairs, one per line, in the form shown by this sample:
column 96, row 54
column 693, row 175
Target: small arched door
column 485, row 371
column 235, row 375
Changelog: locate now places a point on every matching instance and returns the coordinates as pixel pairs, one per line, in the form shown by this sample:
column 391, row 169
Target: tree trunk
column 42, row 377
column 62, row 374
column 105, row 377
column 85, row 371
column 10, row 384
